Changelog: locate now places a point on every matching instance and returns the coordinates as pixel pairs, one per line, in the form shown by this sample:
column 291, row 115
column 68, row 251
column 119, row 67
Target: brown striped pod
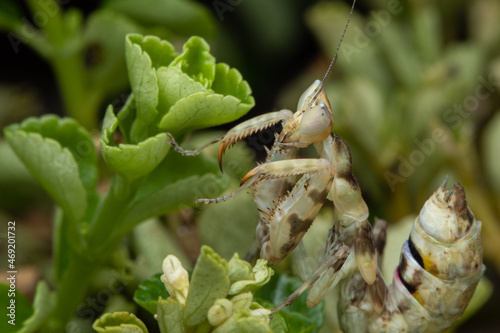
column 441, row 263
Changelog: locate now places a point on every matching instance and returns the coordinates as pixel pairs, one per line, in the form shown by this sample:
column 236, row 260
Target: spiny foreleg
column 275, row 170
column 237, row 133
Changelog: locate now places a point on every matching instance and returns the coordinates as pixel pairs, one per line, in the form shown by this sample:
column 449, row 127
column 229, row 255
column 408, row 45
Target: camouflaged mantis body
column 439, row 269
column 289, row 192
column 441, row 263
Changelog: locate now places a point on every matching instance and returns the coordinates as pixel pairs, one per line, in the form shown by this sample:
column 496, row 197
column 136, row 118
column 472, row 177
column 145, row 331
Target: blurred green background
column 415, row 92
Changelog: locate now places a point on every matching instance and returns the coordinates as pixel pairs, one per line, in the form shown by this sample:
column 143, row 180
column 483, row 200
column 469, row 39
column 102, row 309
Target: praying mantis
column 289, row 193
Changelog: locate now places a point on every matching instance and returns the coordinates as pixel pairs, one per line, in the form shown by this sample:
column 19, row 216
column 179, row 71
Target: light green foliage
column 131, row 160
column 149, row 181
column 43, row 304
column 88, row 56
column 261, row 275
column 61, row 155
column 170, row 316
column 122, row 322
column 239, row 269
column 210, row 305
column 186, row 91
column 209, row 282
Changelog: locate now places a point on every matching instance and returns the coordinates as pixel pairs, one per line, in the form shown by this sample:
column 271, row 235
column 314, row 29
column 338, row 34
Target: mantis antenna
column 330, row 68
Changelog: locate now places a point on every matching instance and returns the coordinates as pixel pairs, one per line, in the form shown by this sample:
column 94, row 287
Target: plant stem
column 101, row 241
column 101, row 231
column 71, row 292
column 80, row 103
column 66, row 58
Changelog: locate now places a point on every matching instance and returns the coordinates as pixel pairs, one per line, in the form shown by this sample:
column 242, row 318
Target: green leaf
column 129, row 160
column 262, row 274
column 208, row 283
column 170, row 316
column 144, row 55
column 239, row 269
column 61, row 155
column 185, row 18
column 174, row 184
column 142, row 78
column 174, row 85
column 182, row 92
column 18, row 187
column 232, row 99
column 228, row 81
column 122, row 322
column 159, row 53
column 202, row 110
column 298, row 316
column 148, row 293
column 243, row 321
column 126, row 118
column 196, row 61
column 278, row 324
column 43, row 304
column 22, row 309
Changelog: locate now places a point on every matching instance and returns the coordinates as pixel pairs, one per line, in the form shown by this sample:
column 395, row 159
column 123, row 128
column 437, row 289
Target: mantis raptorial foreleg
column 276, row 170
column 237, row 133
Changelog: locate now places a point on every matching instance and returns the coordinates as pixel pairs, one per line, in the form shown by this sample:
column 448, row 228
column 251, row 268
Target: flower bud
column 175, row 278
column 242, row 301
column 220, row 311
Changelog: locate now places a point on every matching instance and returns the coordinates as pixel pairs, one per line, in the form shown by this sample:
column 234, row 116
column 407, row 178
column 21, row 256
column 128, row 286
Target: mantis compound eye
column 316, row 124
